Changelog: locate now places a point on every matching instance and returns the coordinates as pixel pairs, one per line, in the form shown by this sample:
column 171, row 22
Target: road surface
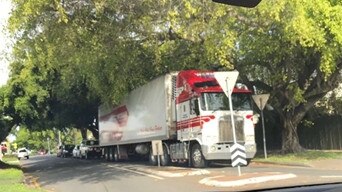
column 68, row 174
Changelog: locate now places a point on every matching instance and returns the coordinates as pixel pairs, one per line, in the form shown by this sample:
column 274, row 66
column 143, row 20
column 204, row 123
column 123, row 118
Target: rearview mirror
column 240, row 3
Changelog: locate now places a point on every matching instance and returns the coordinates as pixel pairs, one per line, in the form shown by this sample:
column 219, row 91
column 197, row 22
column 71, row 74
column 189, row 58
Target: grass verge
column 303, row 158
column 12, row 177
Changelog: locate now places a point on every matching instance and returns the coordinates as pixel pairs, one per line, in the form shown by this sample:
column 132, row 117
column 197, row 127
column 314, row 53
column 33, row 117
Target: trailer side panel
column 142, row 117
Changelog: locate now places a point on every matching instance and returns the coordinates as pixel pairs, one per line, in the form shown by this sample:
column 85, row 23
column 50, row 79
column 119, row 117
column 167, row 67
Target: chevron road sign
column 238, row 152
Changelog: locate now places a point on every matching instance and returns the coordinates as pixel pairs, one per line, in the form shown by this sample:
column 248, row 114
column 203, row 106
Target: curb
column 281, row 163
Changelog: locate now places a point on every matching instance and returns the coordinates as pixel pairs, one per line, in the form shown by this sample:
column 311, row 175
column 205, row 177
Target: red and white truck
column 187, row 112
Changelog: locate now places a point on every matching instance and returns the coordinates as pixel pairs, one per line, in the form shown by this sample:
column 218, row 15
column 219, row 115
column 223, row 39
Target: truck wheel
column 107, row 154
column 115, row 154
column 197, row 159
column 27, row 157
column 165, row 158
column 111, row 154
column 152, row 158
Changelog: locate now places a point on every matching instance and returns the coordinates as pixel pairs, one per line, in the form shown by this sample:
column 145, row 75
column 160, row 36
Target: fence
column 326, row 133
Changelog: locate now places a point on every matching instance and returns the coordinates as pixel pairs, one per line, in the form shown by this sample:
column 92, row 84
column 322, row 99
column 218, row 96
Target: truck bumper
column 222, row 151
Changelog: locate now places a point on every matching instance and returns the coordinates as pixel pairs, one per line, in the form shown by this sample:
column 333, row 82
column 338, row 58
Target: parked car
column 41, row 152
column 3, row 147
column 23, row 152
column 90, row 149
column 65, row 150
column 76, row 152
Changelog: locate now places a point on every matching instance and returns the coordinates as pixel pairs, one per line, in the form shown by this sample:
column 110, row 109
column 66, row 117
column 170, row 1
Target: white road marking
column 174, row 171
column 331, row 176
column 137, row 172
column 178, row 174
column 210, row 181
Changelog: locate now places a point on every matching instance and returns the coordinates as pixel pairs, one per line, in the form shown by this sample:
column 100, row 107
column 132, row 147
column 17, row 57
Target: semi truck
column 187, row 112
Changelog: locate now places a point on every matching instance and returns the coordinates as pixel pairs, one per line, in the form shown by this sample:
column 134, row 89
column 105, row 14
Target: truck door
column 186, row 119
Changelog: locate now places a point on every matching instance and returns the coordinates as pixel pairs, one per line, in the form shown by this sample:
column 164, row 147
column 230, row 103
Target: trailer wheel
column 197, row 158
column 165, row 158
column 106, row 153
column 116, row 154
column 110, row 153
column 152, row 158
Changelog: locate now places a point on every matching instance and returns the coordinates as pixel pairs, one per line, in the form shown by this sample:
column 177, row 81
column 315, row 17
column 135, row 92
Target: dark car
column 65, row 150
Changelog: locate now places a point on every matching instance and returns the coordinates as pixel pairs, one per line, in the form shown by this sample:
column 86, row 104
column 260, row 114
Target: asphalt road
column 77, row 175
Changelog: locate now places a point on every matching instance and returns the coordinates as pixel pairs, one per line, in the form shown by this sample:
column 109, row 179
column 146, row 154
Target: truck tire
column 116, row 154
column 107, row 154
column 110, row 153
column 165, row 158
column 197, row 158
column 152, row 158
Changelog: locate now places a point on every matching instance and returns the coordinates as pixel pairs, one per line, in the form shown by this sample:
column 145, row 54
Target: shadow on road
column 52, row 170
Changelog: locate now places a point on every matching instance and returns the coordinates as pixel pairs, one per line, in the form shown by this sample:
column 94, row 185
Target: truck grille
column 226, row 130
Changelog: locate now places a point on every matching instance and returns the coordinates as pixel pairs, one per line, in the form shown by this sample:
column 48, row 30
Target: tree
column 291, row 49
column 36, row 140
column 72, row 55
column 5, row 121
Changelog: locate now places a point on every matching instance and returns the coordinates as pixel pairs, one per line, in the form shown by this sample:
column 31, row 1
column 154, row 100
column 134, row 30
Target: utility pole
column 59, row 138
column 48, row 140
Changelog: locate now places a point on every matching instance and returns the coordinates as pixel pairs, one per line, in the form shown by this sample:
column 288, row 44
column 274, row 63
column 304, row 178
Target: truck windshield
column 219, row 101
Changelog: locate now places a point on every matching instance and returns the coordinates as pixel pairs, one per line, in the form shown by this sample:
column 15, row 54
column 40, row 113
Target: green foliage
column 5, row 120
column 299, row 44
column 11, row 176
column 302, row 157
column 38, row 140
column 69, row 58
column 291, row 49
column 11, row 180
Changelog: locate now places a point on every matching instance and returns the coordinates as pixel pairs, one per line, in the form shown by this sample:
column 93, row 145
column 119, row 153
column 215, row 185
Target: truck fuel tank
column 142, row 149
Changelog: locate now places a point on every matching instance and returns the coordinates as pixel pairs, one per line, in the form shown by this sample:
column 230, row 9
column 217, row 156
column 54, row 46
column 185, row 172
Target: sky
column 5, row 8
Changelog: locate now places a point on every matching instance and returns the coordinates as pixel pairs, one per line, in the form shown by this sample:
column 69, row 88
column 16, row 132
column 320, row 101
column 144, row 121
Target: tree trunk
column 290, row 140
column 95, row 132
column 84, row 133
